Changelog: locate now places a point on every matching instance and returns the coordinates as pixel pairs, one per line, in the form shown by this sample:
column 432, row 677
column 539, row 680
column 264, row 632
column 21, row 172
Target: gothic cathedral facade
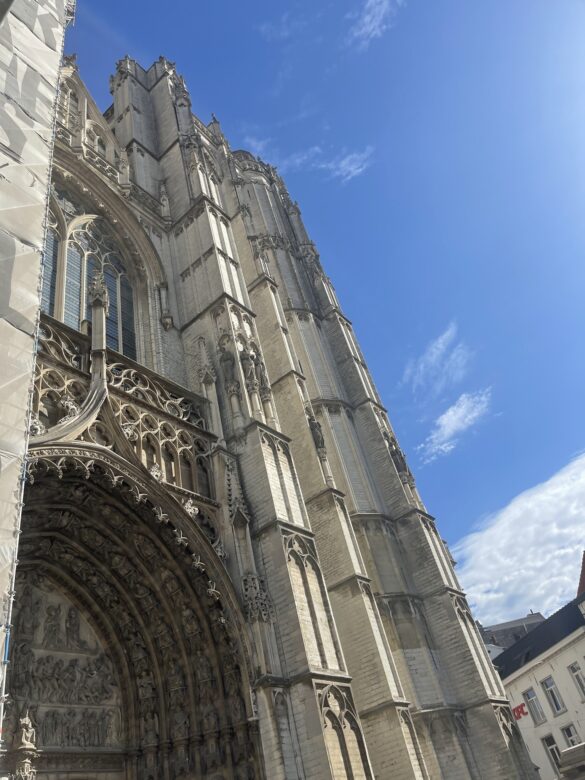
column 225, row 569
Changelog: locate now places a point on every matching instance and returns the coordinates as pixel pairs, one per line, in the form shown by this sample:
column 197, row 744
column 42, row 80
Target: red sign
column 520, row 711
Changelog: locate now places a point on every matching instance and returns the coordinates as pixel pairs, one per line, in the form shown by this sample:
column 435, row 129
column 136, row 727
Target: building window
column 571, row 736
column 89, row 249
column 578, row 678
column 50, row 261
column 552, row 751
column 552, row 694
column 534, row 707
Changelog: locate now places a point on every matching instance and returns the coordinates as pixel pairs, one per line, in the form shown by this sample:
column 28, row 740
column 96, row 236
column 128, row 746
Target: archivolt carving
column 168, row 626
column 87, row 463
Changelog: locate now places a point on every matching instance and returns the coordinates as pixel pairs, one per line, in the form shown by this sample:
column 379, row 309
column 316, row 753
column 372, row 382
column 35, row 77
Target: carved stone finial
column 190, row 508
column 180, row 91
column 129, row 431
column 124, row 64
column 70, row 60
column 36, row 427
column 220, row 549
column 156, row 472
column 98, row 292
column 70, row 406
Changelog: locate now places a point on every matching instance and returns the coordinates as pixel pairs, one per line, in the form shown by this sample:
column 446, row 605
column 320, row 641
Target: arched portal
column 125, row 652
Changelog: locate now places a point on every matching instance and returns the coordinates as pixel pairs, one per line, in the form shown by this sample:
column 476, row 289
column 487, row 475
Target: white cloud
column 348, row 166
column 467, row 410
column 344, row 166
column 372, row 21
column 527, row 555
column 443, row 363
column 299, row 160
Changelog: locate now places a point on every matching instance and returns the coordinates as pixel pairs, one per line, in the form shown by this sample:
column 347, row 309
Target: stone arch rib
column 146, row 575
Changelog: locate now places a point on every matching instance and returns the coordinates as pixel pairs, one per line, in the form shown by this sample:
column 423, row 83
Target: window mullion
column 82, row 307
column 61, row 279
column 119, row 310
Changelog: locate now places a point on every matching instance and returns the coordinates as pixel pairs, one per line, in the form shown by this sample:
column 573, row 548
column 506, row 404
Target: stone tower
column 225, row 568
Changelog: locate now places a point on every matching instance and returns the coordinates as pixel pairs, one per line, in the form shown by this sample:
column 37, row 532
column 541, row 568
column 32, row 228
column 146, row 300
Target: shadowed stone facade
column 225, row 569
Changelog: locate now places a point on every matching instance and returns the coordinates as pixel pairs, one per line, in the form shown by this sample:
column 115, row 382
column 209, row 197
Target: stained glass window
column 50, row 259
column 90, row 249
column 73, row 278
column 127, row 304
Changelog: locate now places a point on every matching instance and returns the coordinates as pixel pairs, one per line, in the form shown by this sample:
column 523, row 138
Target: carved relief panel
column 61, row 675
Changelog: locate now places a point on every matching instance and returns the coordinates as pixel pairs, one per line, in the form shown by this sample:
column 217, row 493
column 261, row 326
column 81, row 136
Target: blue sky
column 437, row 150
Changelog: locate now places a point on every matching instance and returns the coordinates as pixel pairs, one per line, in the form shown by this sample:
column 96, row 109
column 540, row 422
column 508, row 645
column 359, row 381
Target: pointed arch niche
column 78, row 246
column 122, row 647
column 91, row 227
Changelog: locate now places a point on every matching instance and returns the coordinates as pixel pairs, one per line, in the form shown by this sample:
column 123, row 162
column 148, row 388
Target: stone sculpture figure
column 22, row 669
column 26, row 737
column 109, row 727
column 317, row 433
column 248, row 365
column 54, row 683
column 27, row 620
column 227, row 364
column 10, row 723
column 260, row 371
column 72, row 629
column 150, row 727
column 52, row 627
column 180, row 724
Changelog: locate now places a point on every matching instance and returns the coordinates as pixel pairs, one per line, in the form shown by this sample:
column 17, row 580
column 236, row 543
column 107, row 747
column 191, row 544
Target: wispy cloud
column 283, row 28
column 443, row 363
column 348, row 166
column 448, row 428
column 372, row 21
column 343, row 166
column 305, row 159
column 527, row 555
column 257, row 146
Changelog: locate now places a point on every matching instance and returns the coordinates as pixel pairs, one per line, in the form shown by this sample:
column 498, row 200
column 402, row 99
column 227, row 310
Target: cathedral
column 225, row 569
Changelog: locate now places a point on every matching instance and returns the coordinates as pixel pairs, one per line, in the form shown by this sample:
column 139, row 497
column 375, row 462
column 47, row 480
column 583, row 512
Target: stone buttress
column 356, row 645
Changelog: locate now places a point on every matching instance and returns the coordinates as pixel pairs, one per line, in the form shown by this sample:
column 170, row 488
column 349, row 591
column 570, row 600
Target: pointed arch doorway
column 126, row 652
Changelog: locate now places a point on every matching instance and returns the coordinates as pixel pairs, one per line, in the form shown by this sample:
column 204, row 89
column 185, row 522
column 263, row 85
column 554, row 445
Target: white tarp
column 31, row 46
